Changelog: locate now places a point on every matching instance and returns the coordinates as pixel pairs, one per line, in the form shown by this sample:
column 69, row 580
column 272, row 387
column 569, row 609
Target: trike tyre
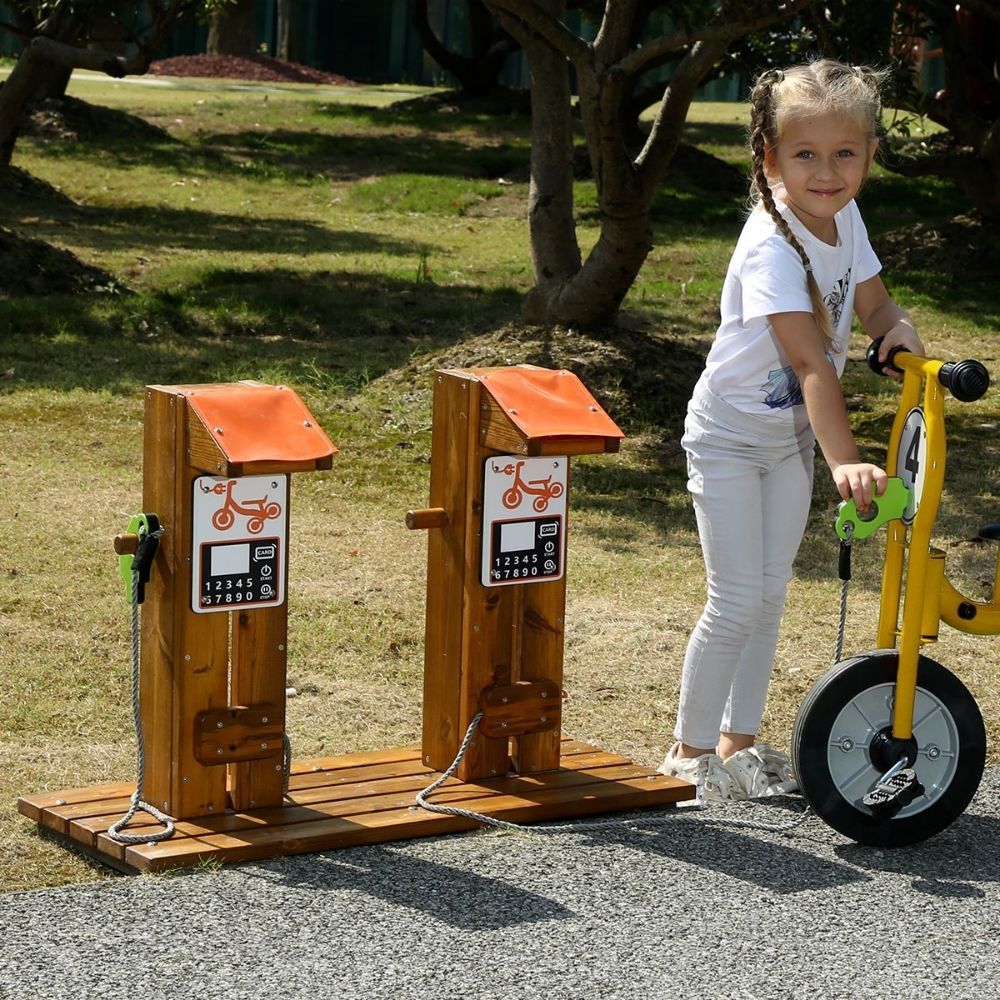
column 832, row 739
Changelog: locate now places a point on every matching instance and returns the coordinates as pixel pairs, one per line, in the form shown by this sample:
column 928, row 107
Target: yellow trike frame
column 888, row 745
column 930, row 596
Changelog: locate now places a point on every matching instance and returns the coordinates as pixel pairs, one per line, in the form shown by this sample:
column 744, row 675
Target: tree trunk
column 26, row 80
column 233, row 30
column 288, row 30
column 479, row 72
column 555, row 252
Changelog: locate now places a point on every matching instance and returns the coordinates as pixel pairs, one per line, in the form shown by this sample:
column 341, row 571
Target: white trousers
column 751, row 481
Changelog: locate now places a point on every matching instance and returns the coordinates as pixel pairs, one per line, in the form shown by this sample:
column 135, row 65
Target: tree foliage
column 910, row 39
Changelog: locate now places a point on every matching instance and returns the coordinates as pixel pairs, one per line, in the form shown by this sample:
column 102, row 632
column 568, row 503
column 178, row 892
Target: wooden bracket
column 524, row 707
column 238, row 733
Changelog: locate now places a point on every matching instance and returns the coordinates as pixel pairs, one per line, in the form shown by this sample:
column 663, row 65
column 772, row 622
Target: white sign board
column 524, row 519
column 239, row 527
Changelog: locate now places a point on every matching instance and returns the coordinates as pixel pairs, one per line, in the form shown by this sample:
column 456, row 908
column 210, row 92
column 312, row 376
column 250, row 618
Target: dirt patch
column 32, row 267
column 262, row 69
column 68, row 119
column 957, row 248
column 641, row 376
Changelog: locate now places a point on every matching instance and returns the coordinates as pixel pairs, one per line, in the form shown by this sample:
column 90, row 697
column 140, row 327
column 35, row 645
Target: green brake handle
column 851, row 523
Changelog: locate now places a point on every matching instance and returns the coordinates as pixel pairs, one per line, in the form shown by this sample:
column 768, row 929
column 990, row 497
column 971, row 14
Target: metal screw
column 263, row 718
column 60, row 802
column 218, row 725
column 253, row 802
column 503, row 701
column 263, row 746
column 544, row 718
column 503, row 725
column 218, row 430
column 847, row 744
column 187, row 656
column 933, row 752
column 185, row 779
column 219, row 752
column 281, row 647
column 277, row 767
column 307, row 423
column 211, row 808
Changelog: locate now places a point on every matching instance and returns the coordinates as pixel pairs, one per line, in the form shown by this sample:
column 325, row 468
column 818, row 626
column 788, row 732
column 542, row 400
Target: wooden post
column 214, row 738
column 496, row 649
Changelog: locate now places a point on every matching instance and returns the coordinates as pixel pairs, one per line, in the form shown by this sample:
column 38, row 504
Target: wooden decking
column 361, row 798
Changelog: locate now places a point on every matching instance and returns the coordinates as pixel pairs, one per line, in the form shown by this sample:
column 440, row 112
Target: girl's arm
column 802, row 343
column 881, row 317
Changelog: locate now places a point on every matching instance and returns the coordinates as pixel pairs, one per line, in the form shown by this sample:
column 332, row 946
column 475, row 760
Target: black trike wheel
column 840, row 725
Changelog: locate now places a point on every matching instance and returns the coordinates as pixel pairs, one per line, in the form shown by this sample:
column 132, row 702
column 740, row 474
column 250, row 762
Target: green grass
column 347, row 243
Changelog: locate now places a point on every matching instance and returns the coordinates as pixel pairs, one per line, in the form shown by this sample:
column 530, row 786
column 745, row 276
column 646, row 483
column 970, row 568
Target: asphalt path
column 687, row 907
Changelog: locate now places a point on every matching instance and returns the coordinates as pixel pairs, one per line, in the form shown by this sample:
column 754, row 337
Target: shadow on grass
column 298, row 155
column 144, row 228
column 333, row 331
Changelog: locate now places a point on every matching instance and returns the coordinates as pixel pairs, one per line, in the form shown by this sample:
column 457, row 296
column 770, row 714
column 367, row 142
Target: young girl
column 802, row 268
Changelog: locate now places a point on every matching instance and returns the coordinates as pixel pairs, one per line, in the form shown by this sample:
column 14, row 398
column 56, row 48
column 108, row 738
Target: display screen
column 516, row 536
column 228, row 559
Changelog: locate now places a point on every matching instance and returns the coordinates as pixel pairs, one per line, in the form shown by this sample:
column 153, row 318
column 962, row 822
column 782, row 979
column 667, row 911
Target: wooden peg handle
column 427, row 517
column 126, row 543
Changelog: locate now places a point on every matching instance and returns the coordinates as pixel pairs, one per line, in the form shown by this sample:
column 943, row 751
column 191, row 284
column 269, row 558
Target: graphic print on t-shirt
column 782, row 389
column 836, row 299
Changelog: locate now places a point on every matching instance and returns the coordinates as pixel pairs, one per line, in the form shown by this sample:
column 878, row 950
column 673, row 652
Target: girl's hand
column 860, row 480
column 901, row 335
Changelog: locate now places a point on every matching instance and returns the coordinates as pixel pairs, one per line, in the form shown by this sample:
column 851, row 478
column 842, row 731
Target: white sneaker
column 707, row 773
column 759, row 772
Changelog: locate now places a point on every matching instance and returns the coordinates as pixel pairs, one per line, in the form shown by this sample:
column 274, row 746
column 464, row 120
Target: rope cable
column 138, row 803
column 647, row 819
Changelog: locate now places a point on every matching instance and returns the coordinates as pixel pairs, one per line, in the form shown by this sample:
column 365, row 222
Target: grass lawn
column 347, row 243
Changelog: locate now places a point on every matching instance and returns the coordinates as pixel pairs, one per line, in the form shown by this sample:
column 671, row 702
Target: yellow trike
column 889, row 746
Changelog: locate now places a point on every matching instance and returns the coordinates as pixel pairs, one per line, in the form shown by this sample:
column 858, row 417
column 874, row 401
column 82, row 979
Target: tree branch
column 72, row 57
column 537, row 20
column 722, row 30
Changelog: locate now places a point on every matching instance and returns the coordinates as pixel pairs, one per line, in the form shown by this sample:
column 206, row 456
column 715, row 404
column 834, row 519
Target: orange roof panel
column 253, row 422
column 543, row 402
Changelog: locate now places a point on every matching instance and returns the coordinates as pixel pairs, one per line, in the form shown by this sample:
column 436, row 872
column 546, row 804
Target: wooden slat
column 374, row 804
column 446, row 558
column 185, row 656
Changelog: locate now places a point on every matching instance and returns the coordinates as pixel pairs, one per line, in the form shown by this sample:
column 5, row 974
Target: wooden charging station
column 215, row 632
column 496, row 582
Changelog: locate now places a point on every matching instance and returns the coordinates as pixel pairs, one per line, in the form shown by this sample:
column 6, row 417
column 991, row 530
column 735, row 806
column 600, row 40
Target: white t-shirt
column 746, row 365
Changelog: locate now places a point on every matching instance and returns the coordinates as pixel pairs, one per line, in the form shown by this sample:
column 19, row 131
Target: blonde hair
column 807, row 91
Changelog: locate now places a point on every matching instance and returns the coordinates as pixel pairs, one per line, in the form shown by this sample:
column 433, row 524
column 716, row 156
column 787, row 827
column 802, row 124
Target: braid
column 763, row 133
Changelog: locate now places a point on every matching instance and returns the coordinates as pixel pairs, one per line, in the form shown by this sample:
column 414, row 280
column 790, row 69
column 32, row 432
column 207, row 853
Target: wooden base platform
column 361, row 798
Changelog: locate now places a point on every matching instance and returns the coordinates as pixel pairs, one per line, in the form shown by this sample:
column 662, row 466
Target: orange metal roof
column 253, row 422
column 543, row 402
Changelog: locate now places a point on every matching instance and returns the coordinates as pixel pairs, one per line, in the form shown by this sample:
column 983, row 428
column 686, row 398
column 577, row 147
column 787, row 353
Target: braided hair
column 815, row 88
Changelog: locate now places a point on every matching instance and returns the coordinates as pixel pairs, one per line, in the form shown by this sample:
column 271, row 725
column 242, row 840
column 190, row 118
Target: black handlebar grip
column 872, row 357
column 965, row 380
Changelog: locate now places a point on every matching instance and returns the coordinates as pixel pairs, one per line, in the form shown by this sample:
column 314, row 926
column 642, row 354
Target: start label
column 524, row 519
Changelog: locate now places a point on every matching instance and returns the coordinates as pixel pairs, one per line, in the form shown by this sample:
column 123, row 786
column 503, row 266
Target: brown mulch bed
column 262, row 69
column 33, row 267
column 961, row 247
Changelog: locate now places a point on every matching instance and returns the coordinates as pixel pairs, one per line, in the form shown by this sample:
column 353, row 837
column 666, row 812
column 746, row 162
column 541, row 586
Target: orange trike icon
column 256, row 511
column 543, row 490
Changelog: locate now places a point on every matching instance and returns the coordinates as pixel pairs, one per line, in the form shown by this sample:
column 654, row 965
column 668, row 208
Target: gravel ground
column 688, row 908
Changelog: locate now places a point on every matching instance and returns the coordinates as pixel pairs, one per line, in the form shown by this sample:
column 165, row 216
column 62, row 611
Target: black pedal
column 888, row 797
